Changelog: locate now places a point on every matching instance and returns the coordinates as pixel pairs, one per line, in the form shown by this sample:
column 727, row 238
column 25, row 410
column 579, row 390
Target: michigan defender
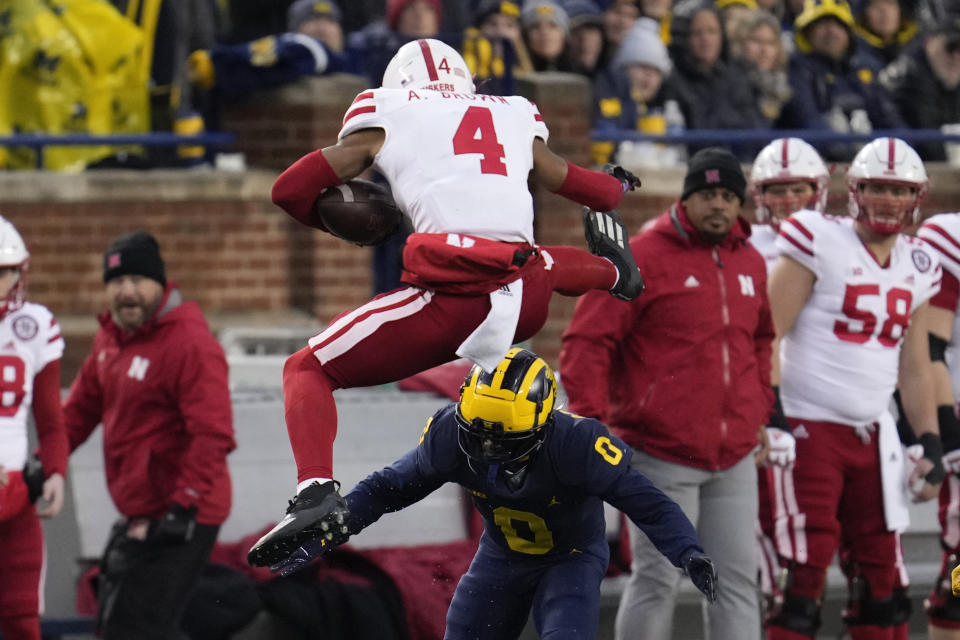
column 538, row 477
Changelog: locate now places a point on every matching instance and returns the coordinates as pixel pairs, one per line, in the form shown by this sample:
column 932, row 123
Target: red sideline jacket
column 162, row 394
column 697, row 340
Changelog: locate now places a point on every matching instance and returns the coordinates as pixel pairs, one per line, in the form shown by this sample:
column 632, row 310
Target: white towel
column 490, row 342
column 896, row 504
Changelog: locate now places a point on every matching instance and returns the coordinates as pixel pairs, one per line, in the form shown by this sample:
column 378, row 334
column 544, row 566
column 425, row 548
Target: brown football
column 358, row 211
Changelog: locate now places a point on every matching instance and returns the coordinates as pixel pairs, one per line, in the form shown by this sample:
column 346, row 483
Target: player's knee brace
column 799, row 614
column 863, row 609
column 941, row 605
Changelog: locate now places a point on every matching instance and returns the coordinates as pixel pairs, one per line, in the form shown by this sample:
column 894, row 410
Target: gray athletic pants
column 722, row 505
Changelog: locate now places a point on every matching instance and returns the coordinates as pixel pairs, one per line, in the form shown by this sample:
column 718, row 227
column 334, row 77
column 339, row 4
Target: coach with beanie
column 157, row 380
column 682, row 374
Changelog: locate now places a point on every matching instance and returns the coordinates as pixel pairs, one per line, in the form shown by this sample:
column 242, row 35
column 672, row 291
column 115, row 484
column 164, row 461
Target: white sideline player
column 849, row 301
column 942, row 233
column 30, row 352
column 787, row 176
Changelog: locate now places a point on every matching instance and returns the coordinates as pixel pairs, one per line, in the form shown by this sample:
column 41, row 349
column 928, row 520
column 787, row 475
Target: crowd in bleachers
column 655, row 65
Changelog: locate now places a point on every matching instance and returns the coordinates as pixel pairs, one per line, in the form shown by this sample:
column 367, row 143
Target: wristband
column 777, row 418
column 933, row 451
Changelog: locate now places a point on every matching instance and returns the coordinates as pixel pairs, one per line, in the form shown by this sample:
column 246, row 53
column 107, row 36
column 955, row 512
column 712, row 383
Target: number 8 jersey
column 839, row 362
column 29, row 341
column 466, row 172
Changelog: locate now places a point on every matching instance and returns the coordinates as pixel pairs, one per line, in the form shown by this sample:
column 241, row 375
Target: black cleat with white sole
column 316, row 513
column 607, row 237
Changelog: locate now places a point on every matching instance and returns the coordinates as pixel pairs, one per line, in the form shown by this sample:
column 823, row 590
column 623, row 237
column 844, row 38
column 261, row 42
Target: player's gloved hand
column 783, row 447
column 606, row 236
column 176, row 526
column 699, row 567
column 628, row 181
column 335, row 532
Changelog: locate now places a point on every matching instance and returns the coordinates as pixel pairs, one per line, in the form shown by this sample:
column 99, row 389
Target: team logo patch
column 25, row 327
column 921, row 260
column 712, row 175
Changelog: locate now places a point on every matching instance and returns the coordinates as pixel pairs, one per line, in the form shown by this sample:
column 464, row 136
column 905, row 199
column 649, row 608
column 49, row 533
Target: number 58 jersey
column 839, row 362
column 29, row 341
column 456, row 163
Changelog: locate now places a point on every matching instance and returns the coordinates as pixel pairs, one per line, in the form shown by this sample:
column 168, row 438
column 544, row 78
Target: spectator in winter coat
column 713, row 91
column 884, row 28
column 834, row 86
column 157, row 380
column 545, row 30
column 759, row 45
column 682, row 374
column 632, row 95
column 925, row 84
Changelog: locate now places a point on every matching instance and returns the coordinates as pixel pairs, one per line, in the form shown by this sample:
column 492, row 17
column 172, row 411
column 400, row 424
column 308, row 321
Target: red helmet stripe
column 428, row 59
column 783, row 155
column 891, row 144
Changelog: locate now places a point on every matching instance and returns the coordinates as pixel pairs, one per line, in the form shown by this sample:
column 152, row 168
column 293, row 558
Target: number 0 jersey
column 29, row 340
column 942, row 233
column 558, row 506
column 839, row 362
column 457, row 163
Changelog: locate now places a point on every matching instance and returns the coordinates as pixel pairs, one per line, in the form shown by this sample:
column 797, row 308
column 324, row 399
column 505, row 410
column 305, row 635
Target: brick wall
column 238, row 255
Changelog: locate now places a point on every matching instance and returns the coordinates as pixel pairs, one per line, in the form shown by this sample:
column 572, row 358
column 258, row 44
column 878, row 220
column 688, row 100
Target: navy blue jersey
column 556, row 509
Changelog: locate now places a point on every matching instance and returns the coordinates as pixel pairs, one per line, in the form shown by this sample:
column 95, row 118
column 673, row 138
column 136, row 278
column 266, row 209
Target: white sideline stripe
column 364, row 328
column 372, row 305
column 780, row 517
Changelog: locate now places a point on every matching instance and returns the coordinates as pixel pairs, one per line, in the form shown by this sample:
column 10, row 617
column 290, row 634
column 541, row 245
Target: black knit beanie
column 714, row 167
column 134, row 254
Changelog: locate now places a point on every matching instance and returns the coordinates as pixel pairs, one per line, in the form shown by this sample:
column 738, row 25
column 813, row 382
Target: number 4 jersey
column 29, row 340
column 839, row 362
column 457, row 163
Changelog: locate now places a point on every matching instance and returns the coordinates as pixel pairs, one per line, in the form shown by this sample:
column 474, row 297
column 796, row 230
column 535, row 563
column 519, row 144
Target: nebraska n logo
column 746, row 285
column 138, row 368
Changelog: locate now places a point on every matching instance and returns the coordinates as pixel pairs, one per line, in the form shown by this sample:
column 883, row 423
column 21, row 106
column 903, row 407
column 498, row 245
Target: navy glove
column 176, row 526
column 628, row 181
column 702, row 574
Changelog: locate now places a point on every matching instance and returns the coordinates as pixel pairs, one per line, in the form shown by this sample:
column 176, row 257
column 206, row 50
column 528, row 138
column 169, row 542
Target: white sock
column 309, row 481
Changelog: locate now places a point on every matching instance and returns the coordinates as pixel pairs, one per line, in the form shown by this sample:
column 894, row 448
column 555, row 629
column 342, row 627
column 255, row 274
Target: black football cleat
column 607, row 237
column 317, row 512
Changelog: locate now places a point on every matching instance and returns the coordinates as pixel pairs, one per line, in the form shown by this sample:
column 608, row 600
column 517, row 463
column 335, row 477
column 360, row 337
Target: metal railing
column 734, row 136
column 40, row 141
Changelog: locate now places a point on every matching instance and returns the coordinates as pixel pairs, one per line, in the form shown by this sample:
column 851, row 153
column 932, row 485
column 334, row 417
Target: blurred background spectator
column 589, row 49
column 713, row 91
column 834, row 86
column 618, row 19
column 757, row 43
column 545, row 30
column 493, row 47
column 633, row 97
column 313, row 44
column 925, row 84
column 884, row 28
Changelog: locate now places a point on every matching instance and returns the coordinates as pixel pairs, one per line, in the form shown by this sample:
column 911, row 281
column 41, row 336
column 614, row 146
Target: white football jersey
column 839, row 362
column 456, row 163
column 29, row 340
column 763, row 237
column 942, row 233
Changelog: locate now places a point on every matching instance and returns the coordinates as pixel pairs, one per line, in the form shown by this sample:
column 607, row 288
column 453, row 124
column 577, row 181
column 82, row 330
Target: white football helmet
column 787, row 160
column 886, row 161
column 428, row 64
column 13, row 253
